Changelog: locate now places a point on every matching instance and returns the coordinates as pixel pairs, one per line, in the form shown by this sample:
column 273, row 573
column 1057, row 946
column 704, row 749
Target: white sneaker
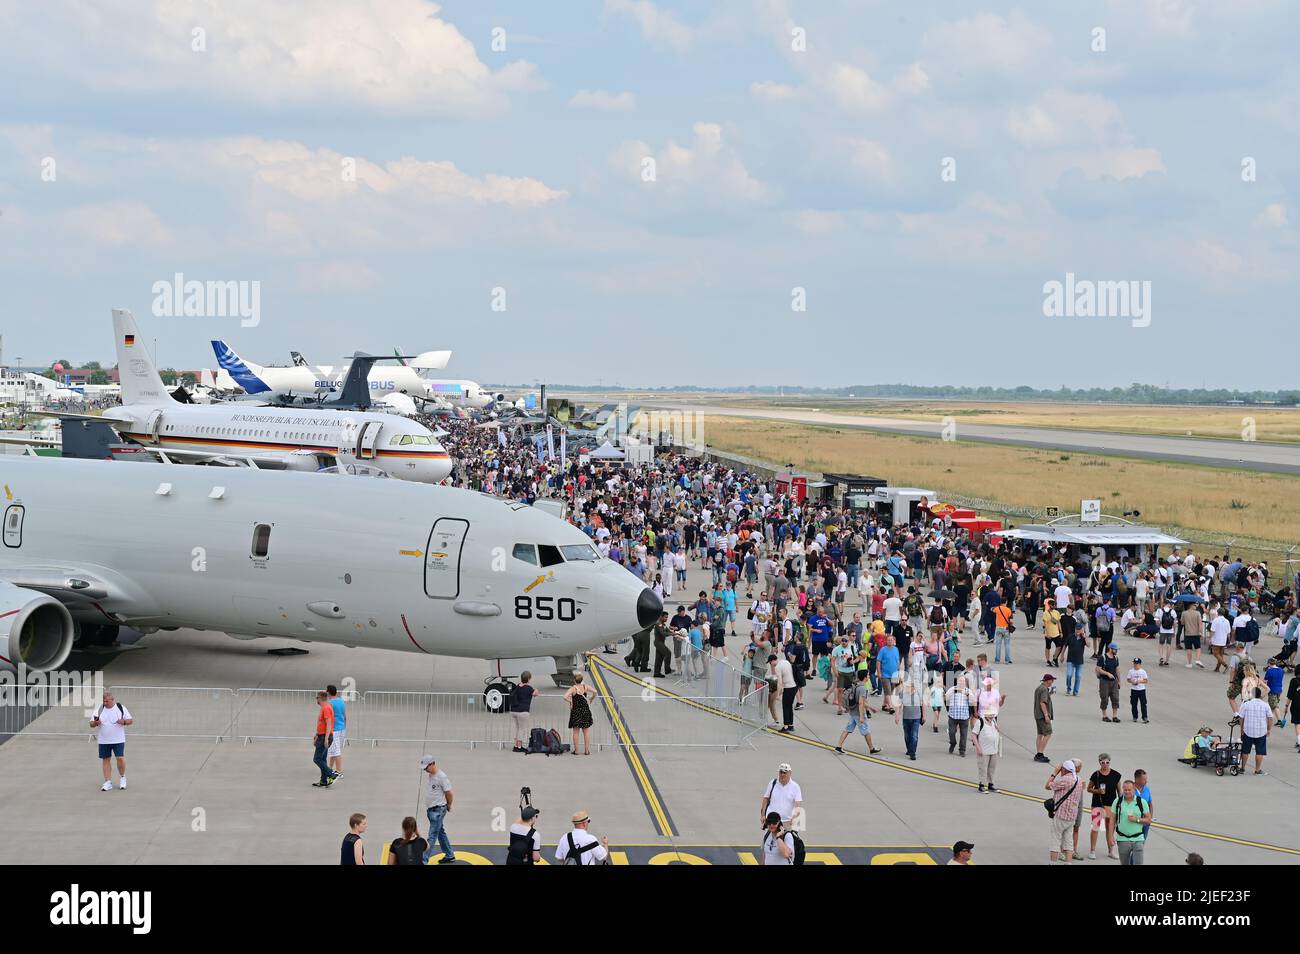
column 1189, row 666
column 122, row 783
column 1092, row 856
column 106, row 787
column 1200, row 664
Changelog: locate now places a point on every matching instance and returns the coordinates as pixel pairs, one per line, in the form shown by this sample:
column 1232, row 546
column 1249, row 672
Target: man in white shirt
column 1137, row 683
column 789, row 688
column 580, row 846
column 783, row 796
column 110, row 721
column 1063, row 595
column 1220, row 629
column 893, row 613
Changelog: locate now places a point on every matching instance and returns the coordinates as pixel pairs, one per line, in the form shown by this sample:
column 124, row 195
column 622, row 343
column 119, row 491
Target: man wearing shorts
column 1167, row 620
column 858, row 710
column 819, row 628
column 335, row 751
column 1193, row 629
column 110, row 721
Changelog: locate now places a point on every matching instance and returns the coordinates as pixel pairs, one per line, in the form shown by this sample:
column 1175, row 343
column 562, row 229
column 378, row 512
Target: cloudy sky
column 654, row 193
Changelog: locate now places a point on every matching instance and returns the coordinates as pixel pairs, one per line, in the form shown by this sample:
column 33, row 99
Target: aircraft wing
column 29, row 442
column 168, row 455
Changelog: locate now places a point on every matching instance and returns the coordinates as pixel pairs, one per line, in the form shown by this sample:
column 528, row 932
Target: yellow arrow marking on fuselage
column 415, row 553
column 535, row 582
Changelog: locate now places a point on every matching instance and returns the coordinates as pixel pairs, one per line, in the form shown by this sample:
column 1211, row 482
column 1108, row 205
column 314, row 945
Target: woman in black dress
column 1293, row 693
column 580, row 712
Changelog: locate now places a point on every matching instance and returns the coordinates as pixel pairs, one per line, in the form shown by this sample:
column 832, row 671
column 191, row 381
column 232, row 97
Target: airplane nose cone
column 648, row 608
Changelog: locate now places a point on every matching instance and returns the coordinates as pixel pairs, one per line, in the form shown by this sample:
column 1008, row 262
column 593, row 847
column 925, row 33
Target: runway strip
column 936, row 776
column 1259, row 456
column 650, row 793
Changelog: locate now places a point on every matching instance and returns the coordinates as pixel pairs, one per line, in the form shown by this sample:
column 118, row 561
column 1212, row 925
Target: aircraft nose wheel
column 496, row 697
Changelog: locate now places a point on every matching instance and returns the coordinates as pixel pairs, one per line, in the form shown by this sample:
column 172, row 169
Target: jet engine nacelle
column 35, row 630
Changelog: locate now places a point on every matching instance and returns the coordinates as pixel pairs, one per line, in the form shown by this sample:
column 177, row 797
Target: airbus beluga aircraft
column 268, row 437
column 92, row 545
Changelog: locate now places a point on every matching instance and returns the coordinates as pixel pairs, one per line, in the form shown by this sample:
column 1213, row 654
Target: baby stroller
column 1227, row 755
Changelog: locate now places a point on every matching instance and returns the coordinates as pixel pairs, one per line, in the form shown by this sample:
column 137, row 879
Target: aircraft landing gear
column 565, row 667
column 496, row 697
column 94, row 634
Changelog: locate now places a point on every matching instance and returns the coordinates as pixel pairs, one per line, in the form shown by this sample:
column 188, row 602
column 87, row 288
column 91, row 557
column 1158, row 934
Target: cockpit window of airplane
column 580, row 551
column 526, row 552
column 550, row 554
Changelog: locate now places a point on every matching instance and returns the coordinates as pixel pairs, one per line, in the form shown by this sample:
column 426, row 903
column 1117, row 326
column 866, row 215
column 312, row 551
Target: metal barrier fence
column 173, row 712
column 646, row 718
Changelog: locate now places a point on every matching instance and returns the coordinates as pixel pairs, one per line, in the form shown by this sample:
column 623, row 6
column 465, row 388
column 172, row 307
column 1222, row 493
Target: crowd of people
column 913, row 620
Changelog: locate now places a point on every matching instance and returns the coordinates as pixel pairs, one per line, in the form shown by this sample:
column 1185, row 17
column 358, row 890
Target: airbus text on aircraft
column 391, row 385
column 278, row 438
column 382, row 563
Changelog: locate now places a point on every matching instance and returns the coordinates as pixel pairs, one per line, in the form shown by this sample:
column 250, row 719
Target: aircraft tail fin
column 298, row 360
column 140, row 381
column 244, row 373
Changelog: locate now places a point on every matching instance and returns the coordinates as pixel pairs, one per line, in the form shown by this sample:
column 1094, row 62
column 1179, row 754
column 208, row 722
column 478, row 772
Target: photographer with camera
column 525, row 844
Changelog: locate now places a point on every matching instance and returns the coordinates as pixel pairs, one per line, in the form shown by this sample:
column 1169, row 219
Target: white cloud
column 871, row 159
column 393, row 56
column 336, row 277
column 706, row 166
column 658, row 26
column 854, row 90
column 318, row 174
column 771, row 91
column 1273, row 217
column 988, row 43
column 115, row 223
column 604, row 101
column 1058, row 118
column 818, row 222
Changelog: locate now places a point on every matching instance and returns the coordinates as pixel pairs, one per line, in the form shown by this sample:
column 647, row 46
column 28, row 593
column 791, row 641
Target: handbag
column 1052, row 804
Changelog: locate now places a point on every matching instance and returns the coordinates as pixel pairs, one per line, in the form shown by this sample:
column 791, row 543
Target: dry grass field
column 1263, row 507
column 1281, row 425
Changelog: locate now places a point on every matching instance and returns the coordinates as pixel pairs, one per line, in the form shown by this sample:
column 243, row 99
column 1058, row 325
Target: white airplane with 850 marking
column 93, row 545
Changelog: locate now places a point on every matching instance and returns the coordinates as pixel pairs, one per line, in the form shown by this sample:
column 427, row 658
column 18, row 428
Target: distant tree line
column 1133, row 394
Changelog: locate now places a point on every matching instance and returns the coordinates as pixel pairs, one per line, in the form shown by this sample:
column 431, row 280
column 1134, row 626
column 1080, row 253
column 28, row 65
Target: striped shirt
column 958, row 704
column 1255, row 718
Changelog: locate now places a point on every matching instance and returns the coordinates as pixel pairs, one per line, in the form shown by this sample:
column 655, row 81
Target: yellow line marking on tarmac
column 657, row 811
column 931, row 775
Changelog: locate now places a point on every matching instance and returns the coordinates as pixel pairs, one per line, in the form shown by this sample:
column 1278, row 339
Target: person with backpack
column 1168, row 623
column 110, row 721
column 1246, row 629
column 410, row 848
column 525, row 844
column 855, row 703
column 778, row 844
column 1128, row 813
column 580, row 846
column 1064, row 785
column 521, row 704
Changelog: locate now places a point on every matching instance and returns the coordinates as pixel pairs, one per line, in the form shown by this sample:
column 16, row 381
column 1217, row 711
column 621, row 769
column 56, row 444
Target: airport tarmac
column 1241, row 455
column 201, row 801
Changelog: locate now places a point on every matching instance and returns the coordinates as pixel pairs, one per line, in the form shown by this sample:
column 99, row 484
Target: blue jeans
column 437, row 834
column 911, row 734
column 322, row 762
column 1003, row 638
column 1073, row 672
column 852, row 571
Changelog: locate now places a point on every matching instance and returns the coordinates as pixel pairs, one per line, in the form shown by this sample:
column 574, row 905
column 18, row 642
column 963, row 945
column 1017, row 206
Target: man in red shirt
column 323, row 740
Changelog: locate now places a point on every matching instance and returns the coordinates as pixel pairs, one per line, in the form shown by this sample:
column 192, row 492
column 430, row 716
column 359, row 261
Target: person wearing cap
column 1043, row 715
column 1107, row 670
column 783, row 796
column 525, row 844
column 1067, row 795
column 580, row 846
column 778, row 843
column 961, row 853
column 1137, row 683
column 437, row 803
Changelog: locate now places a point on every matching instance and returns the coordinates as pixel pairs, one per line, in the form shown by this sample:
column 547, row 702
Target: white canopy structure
column 1107, row 532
